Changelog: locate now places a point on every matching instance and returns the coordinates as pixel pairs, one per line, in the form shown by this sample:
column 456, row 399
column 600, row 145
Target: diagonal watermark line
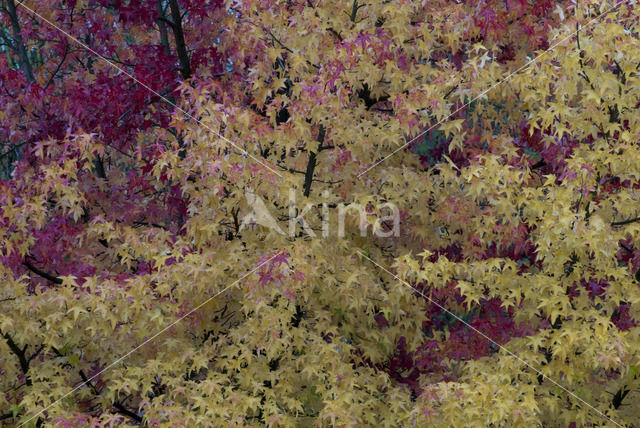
column 144, row 85
column 508, row 77
column 488, row 338
column 149, row 340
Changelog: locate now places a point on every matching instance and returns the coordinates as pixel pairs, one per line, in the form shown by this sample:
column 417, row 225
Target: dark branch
column 166, row 21
column 627, row 249
column 124, row 411
column 99, row 165
column 623, row 222
column 35, row 354
column 365, row 95
column 121, row 409
column 20, row 354
column 450, row 91
column 55, row 72
column 288, row 49
column 285, row 47
column 619, row 397
column 335, row 33
column 178, row 34
column 87, row 381
column 311, row 165
column 41, row 273
column 25, row 64
column 354, row 10
column 164, row 37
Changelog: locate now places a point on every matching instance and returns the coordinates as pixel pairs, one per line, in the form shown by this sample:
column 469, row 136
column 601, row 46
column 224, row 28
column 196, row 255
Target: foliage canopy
column 133, row 294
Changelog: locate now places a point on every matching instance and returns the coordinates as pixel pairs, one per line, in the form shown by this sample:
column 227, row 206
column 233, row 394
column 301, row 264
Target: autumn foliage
column 136, row 137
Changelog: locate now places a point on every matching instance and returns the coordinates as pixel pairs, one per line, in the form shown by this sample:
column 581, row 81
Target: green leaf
column 73, row 360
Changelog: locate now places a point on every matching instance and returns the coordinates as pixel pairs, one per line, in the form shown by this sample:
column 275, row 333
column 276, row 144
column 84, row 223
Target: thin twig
column 623, row 222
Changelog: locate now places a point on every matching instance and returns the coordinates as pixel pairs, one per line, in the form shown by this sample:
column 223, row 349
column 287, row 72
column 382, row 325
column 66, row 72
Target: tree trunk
column 25, row 64
column 178, row 34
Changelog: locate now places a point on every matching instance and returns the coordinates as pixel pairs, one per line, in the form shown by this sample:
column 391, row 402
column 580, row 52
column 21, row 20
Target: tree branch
column 35, row 354
column 117, row 404
column 164, row 37
column 335, row 33
column 623, row 222
column 365, row 95
column 627, row 249
column 87, row 381
column 311, row 165
column 450, row 91
column 619, row 396
column 124, row 411
column 41, row 273
column 99, row 165
column 288, row 49
column 20, row 354
column 25, row 64
column 354, row 10
column 178, row 34
column 55, row 72
column 285, row 47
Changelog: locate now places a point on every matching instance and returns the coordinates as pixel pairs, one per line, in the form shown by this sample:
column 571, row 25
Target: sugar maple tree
column 520, row 202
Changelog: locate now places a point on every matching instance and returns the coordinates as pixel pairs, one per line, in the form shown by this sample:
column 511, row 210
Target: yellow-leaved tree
column 381, row 214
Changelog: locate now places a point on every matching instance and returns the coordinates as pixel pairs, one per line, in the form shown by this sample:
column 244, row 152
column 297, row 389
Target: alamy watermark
column 386, row 223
